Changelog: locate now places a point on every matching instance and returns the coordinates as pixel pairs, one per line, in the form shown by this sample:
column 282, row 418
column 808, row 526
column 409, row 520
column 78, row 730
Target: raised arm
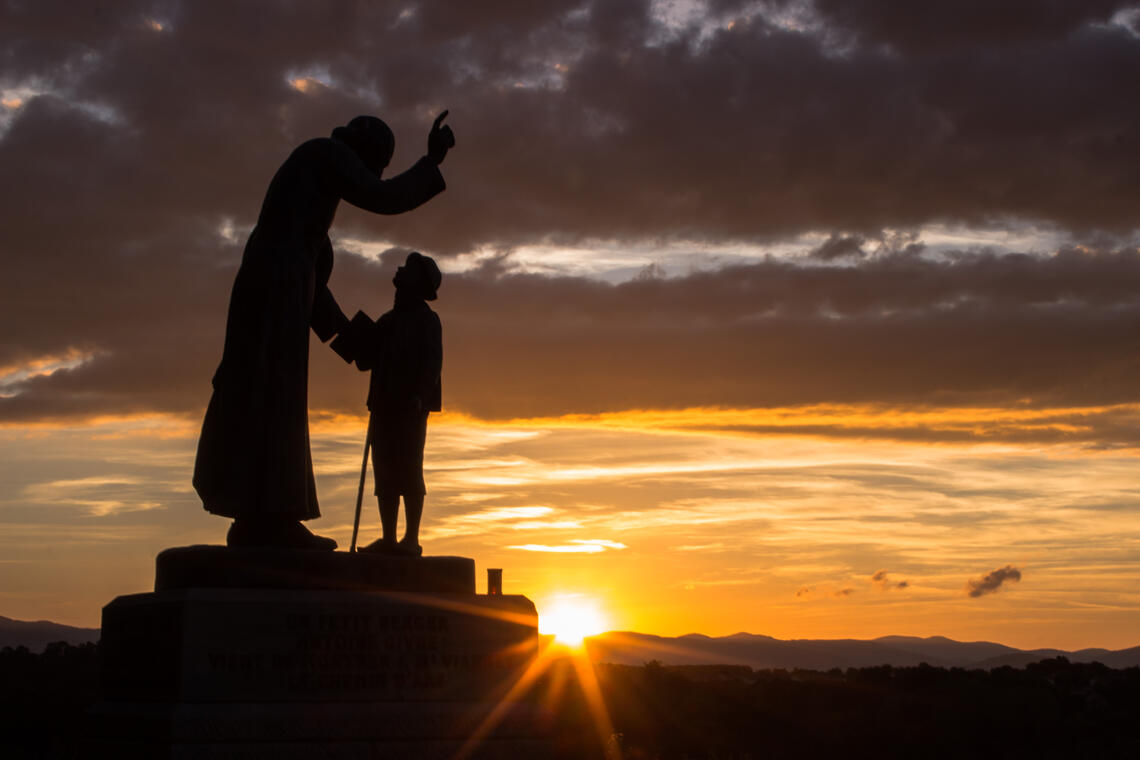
column 353, row 181
column 349, row 178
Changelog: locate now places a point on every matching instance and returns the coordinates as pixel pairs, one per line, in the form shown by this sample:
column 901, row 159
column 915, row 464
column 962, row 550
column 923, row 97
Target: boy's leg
column 389, row 514
column 414, row 482
column 413, row 511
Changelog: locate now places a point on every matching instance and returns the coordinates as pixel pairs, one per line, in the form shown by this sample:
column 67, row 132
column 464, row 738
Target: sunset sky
column 808, row 318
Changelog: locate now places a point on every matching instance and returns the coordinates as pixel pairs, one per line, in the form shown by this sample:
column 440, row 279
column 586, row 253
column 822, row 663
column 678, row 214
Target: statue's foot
column 407, row 548
column 306, row 539
column 284, row 534
column 379, row 546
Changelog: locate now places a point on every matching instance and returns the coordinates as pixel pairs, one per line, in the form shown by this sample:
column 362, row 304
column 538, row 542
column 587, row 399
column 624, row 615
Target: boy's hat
column 429, row 273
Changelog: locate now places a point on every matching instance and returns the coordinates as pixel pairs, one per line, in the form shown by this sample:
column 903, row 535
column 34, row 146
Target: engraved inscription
column 355, row 652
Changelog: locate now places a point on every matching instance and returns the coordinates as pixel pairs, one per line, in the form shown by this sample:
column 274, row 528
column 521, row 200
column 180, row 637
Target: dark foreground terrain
column 1049, row 709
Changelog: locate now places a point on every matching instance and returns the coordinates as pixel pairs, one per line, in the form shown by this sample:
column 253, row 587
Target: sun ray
column 599, row 714
column 582, row 671
column 534, row 670
column 454, row 605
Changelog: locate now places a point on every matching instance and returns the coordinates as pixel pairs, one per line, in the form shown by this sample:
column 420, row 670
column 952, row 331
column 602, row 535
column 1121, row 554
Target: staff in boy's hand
column 360, row 489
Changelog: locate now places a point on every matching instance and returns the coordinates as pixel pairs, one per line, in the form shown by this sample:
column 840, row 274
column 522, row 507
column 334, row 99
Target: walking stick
column 360, row 490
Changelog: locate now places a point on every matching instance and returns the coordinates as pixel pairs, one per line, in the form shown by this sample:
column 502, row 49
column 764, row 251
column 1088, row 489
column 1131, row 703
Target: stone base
column 269, row 645
column 206, row 566
column 241, row 672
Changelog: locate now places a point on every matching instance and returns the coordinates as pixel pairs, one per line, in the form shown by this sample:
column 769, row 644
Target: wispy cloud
column 99, row 496
column 496, row 519
column 499, row 514
column 700, row 547
column 574, row 546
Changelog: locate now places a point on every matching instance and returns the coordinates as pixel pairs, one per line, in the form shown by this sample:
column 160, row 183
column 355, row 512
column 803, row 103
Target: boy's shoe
column 379, row 546
column 408, row 548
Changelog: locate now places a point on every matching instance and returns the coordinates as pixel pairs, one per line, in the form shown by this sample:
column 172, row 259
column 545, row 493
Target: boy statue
column 404, row 351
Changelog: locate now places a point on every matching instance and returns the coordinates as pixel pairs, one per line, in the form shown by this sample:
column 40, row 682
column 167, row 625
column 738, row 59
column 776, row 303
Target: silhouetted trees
column 1050, row 709
column 43, row 698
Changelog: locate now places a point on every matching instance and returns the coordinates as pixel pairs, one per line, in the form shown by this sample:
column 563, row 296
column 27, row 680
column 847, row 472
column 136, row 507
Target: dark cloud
column 974, row 329
column 917, row 28
column 577, row 120
column 971, row 329
column 992, row 581
column 808, row 591
column 880, row 580
column 156, row 122
column 838, row 247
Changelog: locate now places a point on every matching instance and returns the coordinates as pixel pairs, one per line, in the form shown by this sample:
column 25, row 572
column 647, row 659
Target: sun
column 570, row 619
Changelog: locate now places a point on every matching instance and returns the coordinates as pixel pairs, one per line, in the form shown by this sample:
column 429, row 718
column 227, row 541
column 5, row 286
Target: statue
column 253, row 462
column 404, row 351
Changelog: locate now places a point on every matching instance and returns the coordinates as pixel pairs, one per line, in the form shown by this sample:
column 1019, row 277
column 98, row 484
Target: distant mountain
column 1121, row 658
column 37, row 635
column 749, row 649
column 757, row 651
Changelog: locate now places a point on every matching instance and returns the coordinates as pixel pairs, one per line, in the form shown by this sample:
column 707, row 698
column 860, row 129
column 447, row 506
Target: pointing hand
column 440, row 140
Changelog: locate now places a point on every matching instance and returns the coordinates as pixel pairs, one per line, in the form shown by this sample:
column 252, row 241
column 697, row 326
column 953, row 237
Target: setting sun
column 570, row 619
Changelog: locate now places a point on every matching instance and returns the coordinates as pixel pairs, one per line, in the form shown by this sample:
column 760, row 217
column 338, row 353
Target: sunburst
column 570, row 619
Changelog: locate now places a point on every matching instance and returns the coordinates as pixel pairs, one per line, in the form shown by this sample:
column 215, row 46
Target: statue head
column 371, row 139
column 418, row 275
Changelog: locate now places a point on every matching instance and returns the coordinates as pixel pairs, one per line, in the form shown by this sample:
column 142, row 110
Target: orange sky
column 670, row 530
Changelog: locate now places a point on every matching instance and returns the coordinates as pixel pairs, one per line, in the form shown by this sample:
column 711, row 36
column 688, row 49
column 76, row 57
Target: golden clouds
column 112, row 426
column 13, row 376
column 930, row 424
column 1115, row 425
column 680, row 521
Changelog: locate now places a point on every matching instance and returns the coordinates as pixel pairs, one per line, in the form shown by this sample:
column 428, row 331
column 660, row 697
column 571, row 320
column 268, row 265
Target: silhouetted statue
column 253, row 462
column 404, row 350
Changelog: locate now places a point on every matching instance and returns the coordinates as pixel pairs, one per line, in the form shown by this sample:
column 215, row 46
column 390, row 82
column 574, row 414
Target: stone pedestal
column 271, row 653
